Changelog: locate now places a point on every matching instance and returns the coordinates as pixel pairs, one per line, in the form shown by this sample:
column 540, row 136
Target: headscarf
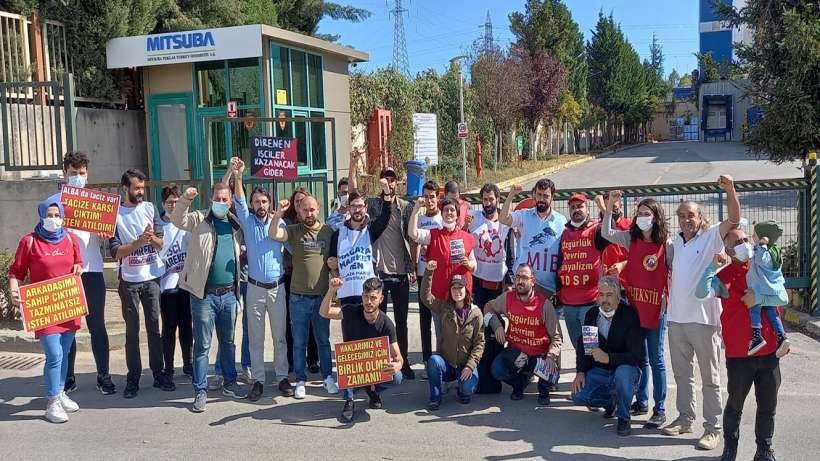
column 50, row 237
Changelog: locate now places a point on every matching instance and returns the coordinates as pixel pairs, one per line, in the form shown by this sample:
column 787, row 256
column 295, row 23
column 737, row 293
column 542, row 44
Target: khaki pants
column 687, row 341
column 260, row 302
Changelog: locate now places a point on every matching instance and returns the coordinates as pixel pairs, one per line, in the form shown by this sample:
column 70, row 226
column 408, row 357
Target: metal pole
column 461, row 109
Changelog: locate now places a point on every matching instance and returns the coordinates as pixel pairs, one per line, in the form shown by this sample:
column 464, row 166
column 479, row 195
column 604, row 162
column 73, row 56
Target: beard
column 523, row 290
column 261, row 213
column 578, row 217
column 135, row 198
column 542, row 207
column 489, row 211
column 357, row 217
column 310, row 221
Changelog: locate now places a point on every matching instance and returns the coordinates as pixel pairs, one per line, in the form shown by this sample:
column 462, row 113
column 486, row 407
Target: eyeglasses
column 357, row 207
column 523, row 278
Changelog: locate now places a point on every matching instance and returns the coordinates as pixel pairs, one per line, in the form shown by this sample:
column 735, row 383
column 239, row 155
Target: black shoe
column 516, row 395
column 464, row 399
column 764, row 454
column 637, row 409
column 256, row 392
column 70, row 384
column 544, row 399
column 188, row 370
column 624, row 427
column 130, row 391
column 286, row 388
column 408, row 373
column 729, row 450
column 609, row 412
column 433, row 405
column 314, row 368
column 757, row 342
column 375, row 399
column 105, row 385
column 347, row 411
column 164, row 382
column 656, row 421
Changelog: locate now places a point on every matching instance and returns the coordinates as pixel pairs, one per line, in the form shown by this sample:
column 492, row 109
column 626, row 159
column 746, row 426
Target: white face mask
column 606, row 314
column 53, row 224
column 343, row 200
column 219, row 209
column 577, row 224
column 77, row 181
column 743, row 251
column 449, row 226
column 644, row 223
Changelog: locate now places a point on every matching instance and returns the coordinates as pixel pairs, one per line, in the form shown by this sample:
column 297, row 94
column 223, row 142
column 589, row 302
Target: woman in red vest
column 646, row 276
column 451, row 247
column 44, row 254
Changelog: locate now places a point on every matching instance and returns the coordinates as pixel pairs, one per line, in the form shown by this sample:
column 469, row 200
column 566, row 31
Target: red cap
column 581, row 197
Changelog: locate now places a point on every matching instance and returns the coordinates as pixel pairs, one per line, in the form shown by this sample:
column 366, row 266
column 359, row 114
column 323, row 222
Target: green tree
column 673, row 79
column 685, row 81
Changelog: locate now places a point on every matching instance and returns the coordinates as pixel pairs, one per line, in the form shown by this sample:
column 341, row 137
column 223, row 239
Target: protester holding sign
column 175, row 303
column 462, row 341
column 46, row 253
column 364, row 320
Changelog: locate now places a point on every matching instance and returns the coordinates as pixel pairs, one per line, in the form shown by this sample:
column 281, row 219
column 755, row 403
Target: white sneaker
column 69, row 405
column 245, row 377
column 330, row 385
column 299, row 393
column 55, row 412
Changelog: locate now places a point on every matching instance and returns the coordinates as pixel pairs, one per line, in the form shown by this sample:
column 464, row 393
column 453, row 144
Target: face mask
column 343, row 200
column 606, row 314
column 77, row 181
column 743, row 251
column 644, row 223
column 53, row 224
column 577, row 224
column 219, row 209
column 450, row 226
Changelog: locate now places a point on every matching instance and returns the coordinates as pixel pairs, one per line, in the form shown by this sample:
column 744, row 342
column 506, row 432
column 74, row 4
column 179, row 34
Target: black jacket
column 624, row 343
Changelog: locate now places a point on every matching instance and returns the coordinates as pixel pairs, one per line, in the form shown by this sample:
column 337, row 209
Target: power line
column 400, row 60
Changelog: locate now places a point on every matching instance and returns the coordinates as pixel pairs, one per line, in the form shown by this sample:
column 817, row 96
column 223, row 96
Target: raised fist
column 432, row 265
column 335, row 283
column 191, row 193
column 283, row 206
column 420, row 204
column 726, row 182
column 515, row 189
column 615, row 195
column 383, row 184
column 238, row 165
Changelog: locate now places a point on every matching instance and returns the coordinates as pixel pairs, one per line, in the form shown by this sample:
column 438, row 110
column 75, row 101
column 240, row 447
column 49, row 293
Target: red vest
column 614, row 254
column 646, row 277
column 735, row 320
column 527, row 331
column 444, row 245
column 581, row 265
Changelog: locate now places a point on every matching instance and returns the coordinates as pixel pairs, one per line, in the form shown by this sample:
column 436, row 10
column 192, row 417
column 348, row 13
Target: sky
column 437, row 30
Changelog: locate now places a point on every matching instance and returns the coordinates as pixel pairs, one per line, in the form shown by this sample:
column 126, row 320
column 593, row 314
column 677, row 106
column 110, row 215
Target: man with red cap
column 579, row 264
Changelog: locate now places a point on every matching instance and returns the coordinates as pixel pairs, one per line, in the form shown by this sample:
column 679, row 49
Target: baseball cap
column 388, row 172
column 581, row 197
column 458, row 279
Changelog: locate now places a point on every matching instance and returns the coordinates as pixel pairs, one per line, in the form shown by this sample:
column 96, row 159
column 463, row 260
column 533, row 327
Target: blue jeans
column 246, row 348
column 574, row 317
column 304, row 311
column 56, row 347
column 653, row 359
column 220, row 312
column 607, row 388
column 438, row 370
column 519, row 379
column 774, row 319
column 397, row 379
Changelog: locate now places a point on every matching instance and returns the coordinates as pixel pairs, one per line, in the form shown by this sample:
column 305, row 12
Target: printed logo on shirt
column 56, row 252
column 490, row 242
column 312, row 246
column 144, row 256
column 354, row 263
column 541, row 237
column 175, row 258
column 650, row 262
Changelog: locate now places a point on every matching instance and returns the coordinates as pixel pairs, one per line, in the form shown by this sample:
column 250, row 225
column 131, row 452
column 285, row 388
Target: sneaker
column 286, row 388
column 245, row 377
column 756, row 343
column 678, row 427
column 637, row 409
column 314, row 368
column 544, row 399
column 215, row 382
column 516, row 395
column 199, row 402
column 783, row 347
column 609, row 412
column 105, row 385
column 729, row 450
column 375, row 399
column 347, row 411
column 130, row 391
column 299, row 393
column 764, row 454
column 624, row 427
column 162, row 381
column 464, row 399
column 408, row 373
column 433, row 405
column 708, row 441
column 256, row 392
column 235, row 391
column 657, row 420
column 69, row 405
column 55, row 412
column 330, row 385
column 70, row 384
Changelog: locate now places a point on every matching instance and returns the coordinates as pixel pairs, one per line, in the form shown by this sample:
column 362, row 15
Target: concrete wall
column 661, row 129
column 337, row 104
column 18, row 207
column 114, row 140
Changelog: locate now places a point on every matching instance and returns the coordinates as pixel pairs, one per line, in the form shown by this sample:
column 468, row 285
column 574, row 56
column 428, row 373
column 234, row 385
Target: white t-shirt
column 174, row 249
column 144, row 264
column 355, row 255
column 688, row 264
column 540, row 243
column 489, row 249
column 427, row 223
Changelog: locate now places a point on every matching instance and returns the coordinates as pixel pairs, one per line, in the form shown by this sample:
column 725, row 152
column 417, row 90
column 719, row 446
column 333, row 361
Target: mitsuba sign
column 179, row 41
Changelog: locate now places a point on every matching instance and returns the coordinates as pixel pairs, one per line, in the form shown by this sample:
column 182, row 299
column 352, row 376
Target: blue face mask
column 77, row 181
column 219, row 209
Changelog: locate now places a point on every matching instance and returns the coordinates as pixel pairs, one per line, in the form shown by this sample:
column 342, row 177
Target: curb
column 20, row 341
column 805, row 323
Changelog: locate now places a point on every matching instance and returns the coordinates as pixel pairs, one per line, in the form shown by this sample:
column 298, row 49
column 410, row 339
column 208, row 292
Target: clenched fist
column 335, row 283
column 432, row 265
column 191, row 193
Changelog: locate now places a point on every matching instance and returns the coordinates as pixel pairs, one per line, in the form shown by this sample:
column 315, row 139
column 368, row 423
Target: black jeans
column 398, row 286
column 132, row 294
column 175, row 309
column 426, row 324
column 483, row 295
column 94, row 287
column 313, row 347
column 742, row 373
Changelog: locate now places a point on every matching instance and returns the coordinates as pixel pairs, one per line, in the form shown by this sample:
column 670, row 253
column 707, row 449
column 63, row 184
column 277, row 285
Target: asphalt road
column 159, row 425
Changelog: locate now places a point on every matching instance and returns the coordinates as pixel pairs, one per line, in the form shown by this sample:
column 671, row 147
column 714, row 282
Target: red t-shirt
column 735, row 320
column 41, row 260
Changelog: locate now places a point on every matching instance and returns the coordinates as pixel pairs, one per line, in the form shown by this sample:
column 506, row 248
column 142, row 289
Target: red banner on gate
column 52, row 302
column 90, row 210
column 360, row 363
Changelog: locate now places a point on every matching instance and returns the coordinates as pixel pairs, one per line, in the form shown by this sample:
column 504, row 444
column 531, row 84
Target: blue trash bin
column 415, row 176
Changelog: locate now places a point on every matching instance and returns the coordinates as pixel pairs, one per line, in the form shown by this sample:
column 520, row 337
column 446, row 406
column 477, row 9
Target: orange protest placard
column 360, row 363
column 52, row 302
column 90, row 210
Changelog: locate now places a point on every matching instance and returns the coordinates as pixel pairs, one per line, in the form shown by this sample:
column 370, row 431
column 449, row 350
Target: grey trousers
column 260, row 303
column 686, row 342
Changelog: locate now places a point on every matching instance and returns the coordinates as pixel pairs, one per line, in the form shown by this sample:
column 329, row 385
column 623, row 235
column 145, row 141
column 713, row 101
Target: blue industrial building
column 716, row 37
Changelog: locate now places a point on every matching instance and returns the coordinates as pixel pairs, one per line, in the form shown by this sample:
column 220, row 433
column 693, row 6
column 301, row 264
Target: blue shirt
column 264, row 253
column 539, row 243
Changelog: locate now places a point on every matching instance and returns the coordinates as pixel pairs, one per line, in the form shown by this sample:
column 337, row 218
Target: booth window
column 210, row 78
column 315, row 81
column 244, row 78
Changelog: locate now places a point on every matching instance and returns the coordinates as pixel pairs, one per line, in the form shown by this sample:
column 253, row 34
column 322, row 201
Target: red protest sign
column 274, row 158
column 90, row 210
column 52, row 302
column 360, row 363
